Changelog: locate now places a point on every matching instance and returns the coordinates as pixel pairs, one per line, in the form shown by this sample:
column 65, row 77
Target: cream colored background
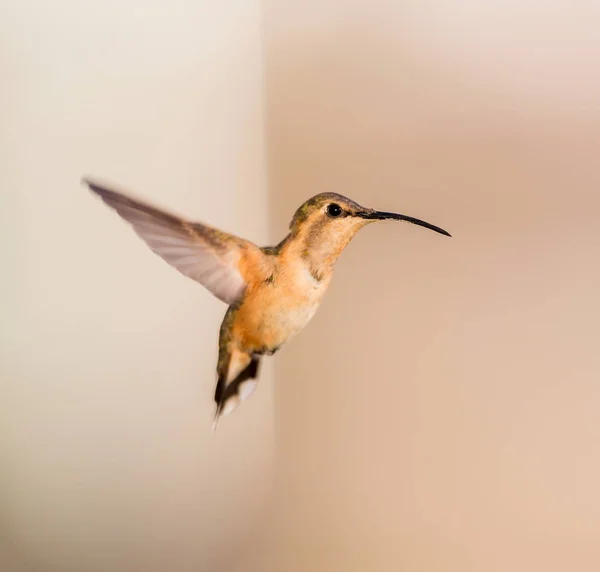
column 441, row 411
column 108, row 356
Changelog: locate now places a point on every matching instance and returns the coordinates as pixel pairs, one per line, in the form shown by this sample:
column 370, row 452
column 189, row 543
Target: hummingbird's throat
column 322, row 244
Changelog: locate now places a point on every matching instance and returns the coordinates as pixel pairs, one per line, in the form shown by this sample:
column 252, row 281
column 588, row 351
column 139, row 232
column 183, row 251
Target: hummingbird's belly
column 274, row 315
column 281, row 324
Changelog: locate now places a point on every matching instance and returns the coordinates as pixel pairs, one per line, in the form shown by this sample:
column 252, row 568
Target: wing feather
column 198, row 251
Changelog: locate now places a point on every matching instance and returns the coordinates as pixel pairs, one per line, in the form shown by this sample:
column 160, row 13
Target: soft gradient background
column 108, row 462
column 441, row 411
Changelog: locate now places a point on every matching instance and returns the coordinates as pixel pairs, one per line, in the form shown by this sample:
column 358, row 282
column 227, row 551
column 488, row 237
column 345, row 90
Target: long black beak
column 379, row 215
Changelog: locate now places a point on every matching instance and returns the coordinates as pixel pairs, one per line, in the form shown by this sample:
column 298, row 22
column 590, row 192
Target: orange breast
column 274, row 311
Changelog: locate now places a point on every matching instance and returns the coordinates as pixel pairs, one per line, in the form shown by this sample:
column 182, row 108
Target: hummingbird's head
column 327, row 222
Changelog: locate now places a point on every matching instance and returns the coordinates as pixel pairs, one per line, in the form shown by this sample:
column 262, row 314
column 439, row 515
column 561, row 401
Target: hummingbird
column 272, row 292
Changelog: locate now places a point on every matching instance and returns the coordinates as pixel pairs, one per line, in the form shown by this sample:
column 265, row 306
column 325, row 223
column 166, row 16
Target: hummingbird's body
column 272, row 292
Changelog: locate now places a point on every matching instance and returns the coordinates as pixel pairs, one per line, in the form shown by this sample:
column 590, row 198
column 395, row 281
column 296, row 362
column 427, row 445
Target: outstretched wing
column 200, row 252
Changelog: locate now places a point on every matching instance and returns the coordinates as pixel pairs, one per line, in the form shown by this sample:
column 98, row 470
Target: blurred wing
column 200, row 252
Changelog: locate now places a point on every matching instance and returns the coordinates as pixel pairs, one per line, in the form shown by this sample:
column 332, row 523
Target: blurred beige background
column 108, row 356
column 441, row 411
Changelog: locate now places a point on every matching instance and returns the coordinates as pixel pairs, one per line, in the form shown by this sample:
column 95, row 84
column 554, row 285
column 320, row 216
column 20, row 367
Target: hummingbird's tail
column 229, row 395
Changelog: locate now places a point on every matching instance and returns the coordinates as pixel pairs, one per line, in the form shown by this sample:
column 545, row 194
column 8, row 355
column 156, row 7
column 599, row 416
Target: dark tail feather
column 228, row 397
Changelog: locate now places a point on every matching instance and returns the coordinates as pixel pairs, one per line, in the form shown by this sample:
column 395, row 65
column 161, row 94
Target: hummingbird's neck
column 317, row 249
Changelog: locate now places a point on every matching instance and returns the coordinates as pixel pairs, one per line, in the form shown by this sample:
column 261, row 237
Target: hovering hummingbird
column 272, row 292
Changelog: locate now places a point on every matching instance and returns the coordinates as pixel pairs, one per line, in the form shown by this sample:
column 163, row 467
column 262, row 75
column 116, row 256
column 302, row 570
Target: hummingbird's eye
column 334, row 210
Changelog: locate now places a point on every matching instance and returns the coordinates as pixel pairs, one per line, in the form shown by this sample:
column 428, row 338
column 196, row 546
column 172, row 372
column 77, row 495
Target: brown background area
column 441, row 411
